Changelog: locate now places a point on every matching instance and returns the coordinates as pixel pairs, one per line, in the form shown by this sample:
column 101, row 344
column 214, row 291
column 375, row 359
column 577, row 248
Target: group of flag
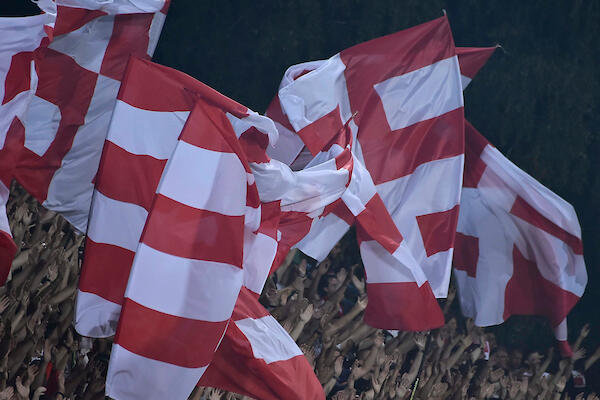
column 189, row 200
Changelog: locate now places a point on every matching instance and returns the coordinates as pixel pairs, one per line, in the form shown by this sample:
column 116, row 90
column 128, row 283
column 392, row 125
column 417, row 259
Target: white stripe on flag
column 126, row 369
column 205, row 179
column 143, row 132
column 164, row 283
column 408, row 99
column 118, row 223
column 269, row 341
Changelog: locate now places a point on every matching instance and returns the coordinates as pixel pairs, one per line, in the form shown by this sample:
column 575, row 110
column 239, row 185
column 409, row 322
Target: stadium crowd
column 320, row 305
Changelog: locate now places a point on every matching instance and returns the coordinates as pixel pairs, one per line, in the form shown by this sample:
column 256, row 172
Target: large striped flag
column 78, row 77
column 19, row 38
column 142, row 160
column 518, row 245
column 60, row 74
column 409, row 130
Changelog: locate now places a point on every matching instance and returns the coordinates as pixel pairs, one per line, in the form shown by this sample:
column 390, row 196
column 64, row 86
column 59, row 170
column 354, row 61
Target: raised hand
column 585, row 330
column 22, row 390
column 578, row 354
column 4, row 303
column 306, row 315
column 420, row 340
column 7, row 393
column 39, row 392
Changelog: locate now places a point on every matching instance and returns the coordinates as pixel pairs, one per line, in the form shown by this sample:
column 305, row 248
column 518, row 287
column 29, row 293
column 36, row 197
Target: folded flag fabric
column 409, row 130
column 19, row 38
column 518, row 245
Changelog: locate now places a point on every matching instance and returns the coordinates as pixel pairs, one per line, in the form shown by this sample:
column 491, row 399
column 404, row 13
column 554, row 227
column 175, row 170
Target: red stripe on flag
column 471, row 59
column 72, row 18
column 474, row 165
column 66, row 84
column 155, row 87
column 247, row 306
column 254, row 143
column 527, row 213
column 175, row 340
column 319, row 133
column 128, row 177
column 8, row 249
column 9, row 154
column 375, row 223
column 105, row 270
column 466, row 254
column 293, row 226
column 129, row 38
column 393, row 154
column 340, row 210
column 438, row 229
column 270, row 214
column 404, row 306
column 379, row 59
column 275, row 112
column 18, row 77
column 529, row 293
column 207, row 128
column 180, row 230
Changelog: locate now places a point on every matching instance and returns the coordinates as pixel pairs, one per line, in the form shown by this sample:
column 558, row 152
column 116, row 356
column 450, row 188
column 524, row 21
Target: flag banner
column 258, row 358
column 187, row 271
column 20, row 37
column 518, row 245
column 141, row 174
column 78, row 76
column 409, row 131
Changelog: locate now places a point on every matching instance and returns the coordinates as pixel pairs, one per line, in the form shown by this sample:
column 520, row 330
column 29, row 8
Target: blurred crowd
column 320, row 305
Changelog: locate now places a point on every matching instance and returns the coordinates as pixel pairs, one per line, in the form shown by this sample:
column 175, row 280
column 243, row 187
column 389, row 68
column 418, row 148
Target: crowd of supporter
column 320, row 305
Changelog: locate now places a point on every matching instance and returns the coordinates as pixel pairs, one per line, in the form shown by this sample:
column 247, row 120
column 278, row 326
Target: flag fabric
column 471, row 60
column 152, row 107
column 19, row 38
column 258, row 358
column 188, row 268
column 140, row 159
column 409, row 129
column 518, row 245
column 78, row 77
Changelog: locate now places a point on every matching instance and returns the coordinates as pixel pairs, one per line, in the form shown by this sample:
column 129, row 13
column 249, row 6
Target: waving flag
column 136, row 157
column 518, row 246
column 19, row 38
column 78, row 77
column 409, row 130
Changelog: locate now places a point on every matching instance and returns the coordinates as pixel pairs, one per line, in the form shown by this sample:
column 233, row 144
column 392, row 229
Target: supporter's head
column 500, row 358
column 515, row 358
column 451, row 325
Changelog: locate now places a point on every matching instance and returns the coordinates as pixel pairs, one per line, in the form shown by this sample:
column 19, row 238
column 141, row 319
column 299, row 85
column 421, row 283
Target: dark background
column 537, row 100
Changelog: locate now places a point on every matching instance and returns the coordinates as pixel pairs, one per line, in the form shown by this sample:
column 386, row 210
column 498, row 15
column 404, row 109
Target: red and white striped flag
column 518, row 245
column 19, row 38
column 258, row 358
column 409, row 130
column 153, row 104
column 78, row 77
column 187, row 271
